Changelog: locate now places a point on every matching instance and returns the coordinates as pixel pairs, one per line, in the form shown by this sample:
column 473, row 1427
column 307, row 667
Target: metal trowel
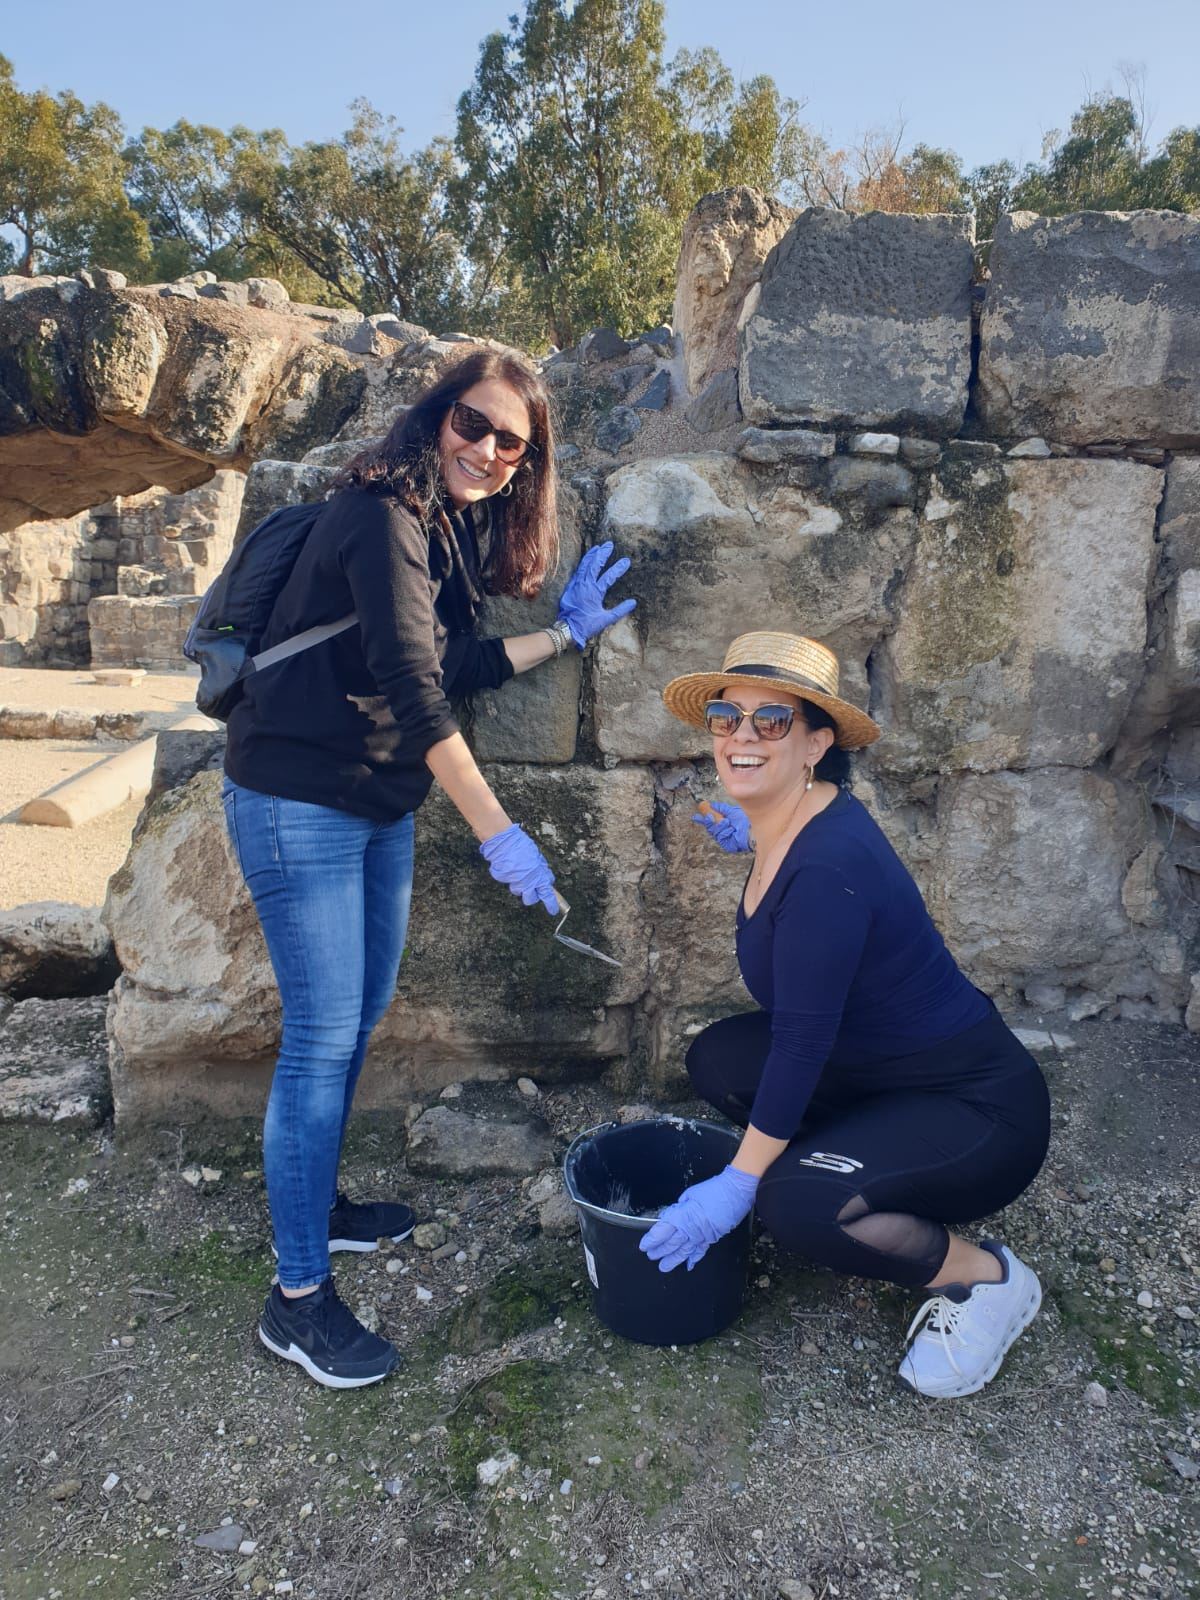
column 577, row 944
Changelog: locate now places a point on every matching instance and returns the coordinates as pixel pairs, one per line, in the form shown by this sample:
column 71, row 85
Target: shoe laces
column 333, row 1316
column 942, row 1317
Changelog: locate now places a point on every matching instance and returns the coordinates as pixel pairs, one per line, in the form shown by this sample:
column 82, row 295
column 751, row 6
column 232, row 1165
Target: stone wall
column 984, row 493
column 72, row 591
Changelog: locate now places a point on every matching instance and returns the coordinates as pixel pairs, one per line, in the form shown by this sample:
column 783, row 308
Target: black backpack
column 233, row 616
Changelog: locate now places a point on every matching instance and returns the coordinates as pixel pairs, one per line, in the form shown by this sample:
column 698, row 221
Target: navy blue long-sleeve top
column 844, row 956
column 347, row 723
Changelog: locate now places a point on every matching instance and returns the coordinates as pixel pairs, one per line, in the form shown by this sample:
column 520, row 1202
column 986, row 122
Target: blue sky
column 986, row 80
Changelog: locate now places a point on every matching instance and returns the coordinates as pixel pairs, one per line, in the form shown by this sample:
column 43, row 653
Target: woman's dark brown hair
column 524, row 542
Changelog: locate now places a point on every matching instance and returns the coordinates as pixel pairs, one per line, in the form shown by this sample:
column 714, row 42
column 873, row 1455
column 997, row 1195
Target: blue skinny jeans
column 332, row 891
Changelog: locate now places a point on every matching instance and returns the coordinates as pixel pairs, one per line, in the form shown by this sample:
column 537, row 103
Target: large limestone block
column 534, row 717
column 1091, row 328
column 484, row 992
column 1022, row 619
column 726, row 239
column 862, row 321
column 1027, row 882
column 720, row 548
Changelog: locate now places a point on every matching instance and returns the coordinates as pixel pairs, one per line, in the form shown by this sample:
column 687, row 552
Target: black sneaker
column 319, row 1333
column 360, row 1227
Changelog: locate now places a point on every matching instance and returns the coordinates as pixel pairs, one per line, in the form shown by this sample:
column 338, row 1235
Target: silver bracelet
column 559, row 635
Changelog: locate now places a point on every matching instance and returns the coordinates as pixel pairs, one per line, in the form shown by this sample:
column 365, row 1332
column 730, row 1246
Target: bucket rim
column 622, row 1219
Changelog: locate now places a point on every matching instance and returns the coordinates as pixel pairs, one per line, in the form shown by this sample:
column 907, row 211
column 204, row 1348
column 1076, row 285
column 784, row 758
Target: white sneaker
column 967, row 1332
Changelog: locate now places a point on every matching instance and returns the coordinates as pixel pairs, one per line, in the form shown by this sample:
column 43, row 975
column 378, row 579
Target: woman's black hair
column 524, row 537
column 834, row 765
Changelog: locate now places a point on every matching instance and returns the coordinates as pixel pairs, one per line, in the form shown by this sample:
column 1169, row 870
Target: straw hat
column 781, row 661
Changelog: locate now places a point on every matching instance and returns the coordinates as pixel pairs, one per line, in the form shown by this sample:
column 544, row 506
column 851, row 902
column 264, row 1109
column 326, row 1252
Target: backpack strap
column 302, row 641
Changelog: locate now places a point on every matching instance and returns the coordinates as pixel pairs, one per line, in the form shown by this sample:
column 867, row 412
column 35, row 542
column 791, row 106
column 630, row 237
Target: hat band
column 782, row 673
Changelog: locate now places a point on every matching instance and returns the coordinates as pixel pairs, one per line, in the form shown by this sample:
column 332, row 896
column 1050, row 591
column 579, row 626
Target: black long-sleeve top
column 347, row 722
column 844, row 955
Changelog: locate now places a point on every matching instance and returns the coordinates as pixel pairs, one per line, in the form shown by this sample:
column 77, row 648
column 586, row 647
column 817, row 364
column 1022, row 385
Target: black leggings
column 875, row 1173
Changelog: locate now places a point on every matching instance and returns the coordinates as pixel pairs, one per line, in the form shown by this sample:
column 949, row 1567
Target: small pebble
column 1108, row 1264
column 452, row 1091
column 428, row 1235
column 191, row 1175
column 211, row 1174
column 424, row 1295
column 306, row 1510
column 110, row 1483
column 66, row 1489
column 566, row 1486
column 1185, row 1313
column 808, row 1348
column 394, row 1266
column 1096, row 1394
column 1145, row 1299
column 593, row 1461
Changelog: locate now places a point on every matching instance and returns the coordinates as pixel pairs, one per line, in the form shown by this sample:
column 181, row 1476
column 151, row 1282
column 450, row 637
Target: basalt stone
column 1091, row 329
column 603, row 344
column 658, row 396
column 717, row 405
column 862, row 321
column 617, row 429
column 777, row 446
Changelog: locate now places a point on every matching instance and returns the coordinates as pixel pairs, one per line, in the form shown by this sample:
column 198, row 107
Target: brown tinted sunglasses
column 472, row 426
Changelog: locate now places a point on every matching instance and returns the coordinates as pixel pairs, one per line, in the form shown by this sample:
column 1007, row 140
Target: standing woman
column 883, row 1097
column 331, row 752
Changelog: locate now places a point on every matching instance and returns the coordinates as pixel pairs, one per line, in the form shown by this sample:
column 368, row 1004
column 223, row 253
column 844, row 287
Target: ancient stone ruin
column 980, row 485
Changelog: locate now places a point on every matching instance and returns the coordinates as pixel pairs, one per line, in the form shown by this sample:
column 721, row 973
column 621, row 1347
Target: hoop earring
column 507, row 489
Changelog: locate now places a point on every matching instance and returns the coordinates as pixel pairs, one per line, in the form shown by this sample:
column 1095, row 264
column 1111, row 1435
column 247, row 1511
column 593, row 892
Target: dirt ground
column 138, row 1411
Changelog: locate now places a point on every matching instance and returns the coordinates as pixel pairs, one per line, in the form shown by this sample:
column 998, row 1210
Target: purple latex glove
column 731, row 829
column 582, row 605
column 703, row 1214
column 514, row 859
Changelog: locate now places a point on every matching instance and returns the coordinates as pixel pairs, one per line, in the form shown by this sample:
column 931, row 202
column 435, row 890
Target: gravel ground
column 138, row 1413
column 74, row 865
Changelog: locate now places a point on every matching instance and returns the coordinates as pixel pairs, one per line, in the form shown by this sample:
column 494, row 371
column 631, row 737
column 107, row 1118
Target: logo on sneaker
column 824, row 1162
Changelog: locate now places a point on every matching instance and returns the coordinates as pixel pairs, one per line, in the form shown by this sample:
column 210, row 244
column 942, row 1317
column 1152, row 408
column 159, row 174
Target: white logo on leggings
column 828, row 1163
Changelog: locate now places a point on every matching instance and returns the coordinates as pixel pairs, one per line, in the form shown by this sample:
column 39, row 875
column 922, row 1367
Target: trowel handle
column 707, row 810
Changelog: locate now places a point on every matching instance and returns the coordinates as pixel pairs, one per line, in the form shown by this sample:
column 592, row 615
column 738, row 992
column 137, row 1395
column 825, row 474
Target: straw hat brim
column 686, row 698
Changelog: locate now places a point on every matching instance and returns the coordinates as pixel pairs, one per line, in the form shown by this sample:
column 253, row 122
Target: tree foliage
column 61, row 182
column 583, row 151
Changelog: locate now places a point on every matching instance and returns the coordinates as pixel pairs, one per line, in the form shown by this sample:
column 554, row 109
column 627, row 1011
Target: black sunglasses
column 769, row 722
column 472, row 426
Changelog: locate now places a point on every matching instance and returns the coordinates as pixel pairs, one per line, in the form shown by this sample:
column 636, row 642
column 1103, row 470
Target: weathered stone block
column 862, row 321
column 1027, row 888
column 1018, row 644
column 195, row 1014
column 450, row 1144
column 718, row 549
column 534, row 717
column 1091, row 328
column 725, row 241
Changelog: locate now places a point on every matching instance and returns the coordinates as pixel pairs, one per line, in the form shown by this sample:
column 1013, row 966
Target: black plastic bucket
column 643, row 1166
